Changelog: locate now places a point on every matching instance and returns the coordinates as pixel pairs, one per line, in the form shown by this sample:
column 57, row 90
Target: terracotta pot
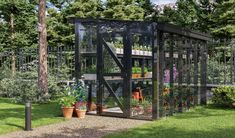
column 134, row 75
column 148, row 110
column 93, row 107
column 67, row 112
column 136, row 95
column 81, row 113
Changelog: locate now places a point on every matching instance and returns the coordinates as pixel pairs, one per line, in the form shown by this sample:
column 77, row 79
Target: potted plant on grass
column 67, row 105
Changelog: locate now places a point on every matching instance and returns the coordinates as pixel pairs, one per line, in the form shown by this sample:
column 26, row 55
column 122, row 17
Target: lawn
column 202, row 122
column 12, row 115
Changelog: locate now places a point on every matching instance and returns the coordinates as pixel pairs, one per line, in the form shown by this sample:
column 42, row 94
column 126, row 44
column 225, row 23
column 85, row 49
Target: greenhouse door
column 113, row 76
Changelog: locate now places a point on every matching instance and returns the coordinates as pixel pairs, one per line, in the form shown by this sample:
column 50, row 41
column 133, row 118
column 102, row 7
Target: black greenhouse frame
column 165, row 40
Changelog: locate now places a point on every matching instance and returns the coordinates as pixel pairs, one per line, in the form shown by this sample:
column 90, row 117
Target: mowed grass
column 12, row 115
column 201, row 122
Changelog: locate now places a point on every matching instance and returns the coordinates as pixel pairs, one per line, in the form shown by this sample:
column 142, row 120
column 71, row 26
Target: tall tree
column 204, row 10
column 123, row 9
column 224, row 19
column 18, row 25
column 42, row 73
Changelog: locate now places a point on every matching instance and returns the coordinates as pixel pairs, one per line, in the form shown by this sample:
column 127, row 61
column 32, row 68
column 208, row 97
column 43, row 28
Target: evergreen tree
column 123, row 9
column 224, row 19
column 204, row 10
column 18, row 24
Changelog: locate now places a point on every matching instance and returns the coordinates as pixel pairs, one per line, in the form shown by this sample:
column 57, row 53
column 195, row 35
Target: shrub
column 224, row 96
column 23, row 86
column 67, row 101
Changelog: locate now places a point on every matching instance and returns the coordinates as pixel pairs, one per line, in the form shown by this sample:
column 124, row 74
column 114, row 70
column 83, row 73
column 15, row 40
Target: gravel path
column 90, row 127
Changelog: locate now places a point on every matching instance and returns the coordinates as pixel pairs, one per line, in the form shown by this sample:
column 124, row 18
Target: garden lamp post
column 28, row 118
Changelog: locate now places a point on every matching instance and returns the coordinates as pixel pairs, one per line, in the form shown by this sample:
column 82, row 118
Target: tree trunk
column 42, row 73
column 13, row 56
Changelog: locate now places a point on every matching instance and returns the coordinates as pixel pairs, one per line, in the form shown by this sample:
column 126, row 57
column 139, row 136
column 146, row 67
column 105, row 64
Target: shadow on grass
column 14, row 125
column 13, row 115
column 206, row 111
column 164, row 132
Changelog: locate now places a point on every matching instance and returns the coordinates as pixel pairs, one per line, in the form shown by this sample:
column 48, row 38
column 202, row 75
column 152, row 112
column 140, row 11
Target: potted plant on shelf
column 141, row 50
column 134, row 72
column 137, row 50
column 67, row 105
column 145, row 72
column 134, row 107
column 118, row 47
column 147, row 106
column 134, row 50
column 149, row 51
column 145, row 50
column 138, row 71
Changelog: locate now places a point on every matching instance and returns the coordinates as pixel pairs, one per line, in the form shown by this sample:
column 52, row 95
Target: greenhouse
column 141, row 70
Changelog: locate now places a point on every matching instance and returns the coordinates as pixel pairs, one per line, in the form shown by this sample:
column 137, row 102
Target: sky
column 163, row 1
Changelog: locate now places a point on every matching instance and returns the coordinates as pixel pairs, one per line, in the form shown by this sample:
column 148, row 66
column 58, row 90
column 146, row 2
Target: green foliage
column 145, row 70
column 12, row 115
column 134, row 103
column 90, row 69
column 22, row 14
column 146, row 103
column 224, row 96
column 136, row 70
column 23, row 86
column 67, row 101
column 80, row 92
column 224, row 19
column 218, row 72
column 123, row 9
column 199, row 122
column 82, row 107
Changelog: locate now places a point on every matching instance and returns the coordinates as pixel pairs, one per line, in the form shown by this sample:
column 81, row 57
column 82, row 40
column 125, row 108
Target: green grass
column 201, row 122
column 12, row 115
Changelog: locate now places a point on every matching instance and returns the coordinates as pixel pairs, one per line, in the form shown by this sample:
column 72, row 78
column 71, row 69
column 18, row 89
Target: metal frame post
column 180, row 75
column 77, row 53
column 158, row 57
column 127, row 85
column 99, row 71
column 203, row 93
column 172, row 39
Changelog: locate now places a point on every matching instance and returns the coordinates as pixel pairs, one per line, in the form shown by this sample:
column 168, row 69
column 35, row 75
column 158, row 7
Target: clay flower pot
column 67, row 112
column 81, row 113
